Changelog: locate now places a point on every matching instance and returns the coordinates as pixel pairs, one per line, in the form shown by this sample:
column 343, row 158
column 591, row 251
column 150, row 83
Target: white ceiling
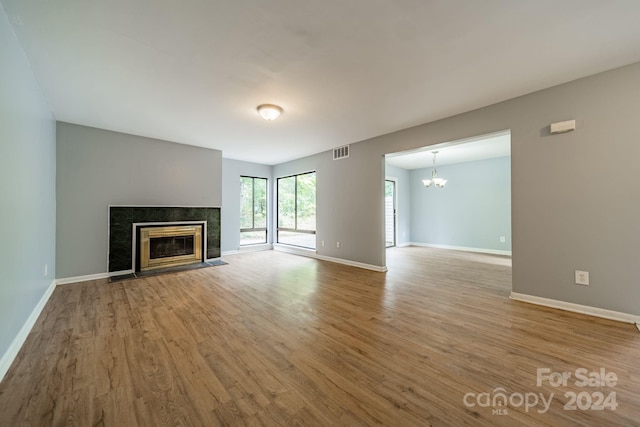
column 467, row 150
column 193, row 71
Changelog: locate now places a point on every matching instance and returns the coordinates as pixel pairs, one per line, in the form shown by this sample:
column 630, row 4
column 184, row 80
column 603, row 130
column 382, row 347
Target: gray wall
column 473, row 210
column 98, row 168
column 27, row 186
column 232, row 170
column 403, row 202
column 564, row 217
column 349, row 205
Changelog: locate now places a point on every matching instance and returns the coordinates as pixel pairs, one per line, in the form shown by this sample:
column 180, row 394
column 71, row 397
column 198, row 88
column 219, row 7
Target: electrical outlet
column 322, row 243
column 503, row 239
column 337, row 244
column 46, row 270
column 582, row 277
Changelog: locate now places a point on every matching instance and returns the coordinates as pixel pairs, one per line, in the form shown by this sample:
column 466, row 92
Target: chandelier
column 439, row 182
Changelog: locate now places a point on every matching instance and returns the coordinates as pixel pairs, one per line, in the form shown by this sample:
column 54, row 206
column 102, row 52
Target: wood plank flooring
column 277, row 339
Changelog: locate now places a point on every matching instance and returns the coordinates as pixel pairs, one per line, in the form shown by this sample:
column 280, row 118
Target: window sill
column 283, row 247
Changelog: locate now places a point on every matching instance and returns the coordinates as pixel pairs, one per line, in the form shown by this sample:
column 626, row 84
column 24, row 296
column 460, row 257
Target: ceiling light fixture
column 439, row 182
column 269, row 111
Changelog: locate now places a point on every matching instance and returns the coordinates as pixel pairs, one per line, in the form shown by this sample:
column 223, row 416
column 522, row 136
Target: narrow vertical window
column 253, row 210
column 297, row 210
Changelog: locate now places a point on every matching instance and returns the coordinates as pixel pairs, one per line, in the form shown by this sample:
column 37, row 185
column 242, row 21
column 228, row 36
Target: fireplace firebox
column 170, row 245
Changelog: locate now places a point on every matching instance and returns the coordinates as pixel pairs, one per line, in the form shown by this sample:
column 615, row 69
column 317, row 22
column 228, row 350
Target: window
column 253, row 210
column 297, row 210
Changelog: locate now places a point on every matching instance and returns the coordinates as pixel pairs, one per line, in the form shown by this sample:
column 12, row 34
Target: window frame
column 253, row 212
column 277, row 199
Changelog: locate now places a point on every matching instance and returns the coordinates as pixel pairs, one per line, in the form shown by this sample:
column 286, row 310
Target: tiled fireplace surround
column 122, row 218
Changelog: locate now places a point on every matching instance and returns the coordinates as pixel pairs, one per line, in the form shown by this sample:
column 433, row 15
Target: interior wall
column 349, row 205
column 472, row 211
column 574, row 203
column 27, row 185
column 403, row 203
column 232, row 170
column 98, row 168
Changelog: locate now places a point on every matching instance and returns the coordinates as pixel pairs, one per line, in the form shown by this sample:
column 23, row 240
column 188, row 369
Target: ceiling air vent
column 341, row 152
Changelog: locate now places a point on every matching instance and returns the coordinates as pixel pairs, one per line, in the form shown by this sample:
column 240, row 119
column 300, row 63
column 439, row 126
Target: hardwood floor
column 276, row 339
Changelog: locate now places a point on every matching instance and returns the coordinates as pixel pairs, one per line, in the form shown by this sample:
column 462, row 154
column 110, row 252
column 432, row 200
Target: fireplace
column 125, row 223
column 161, row 246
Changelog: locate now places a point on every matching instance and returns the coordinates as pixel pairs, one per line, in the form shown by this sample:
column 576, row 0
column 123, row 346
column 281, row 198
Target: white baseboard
column 313, row 254
column 77, row 279
column 9, row 356
column 378, row 268
column 403, row 245
column 461, row 248
column 577, row 308
column 97, row 276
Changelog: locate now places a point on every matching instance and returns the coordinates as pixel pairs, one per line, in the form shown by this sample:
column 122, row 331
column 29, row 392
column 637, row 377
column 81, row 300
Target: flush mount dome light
column 269, row 111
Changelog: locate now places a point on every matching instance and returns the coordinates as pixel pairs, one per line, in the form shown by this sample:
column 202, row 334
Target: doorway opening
column 390, row 212
column 470, row 211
